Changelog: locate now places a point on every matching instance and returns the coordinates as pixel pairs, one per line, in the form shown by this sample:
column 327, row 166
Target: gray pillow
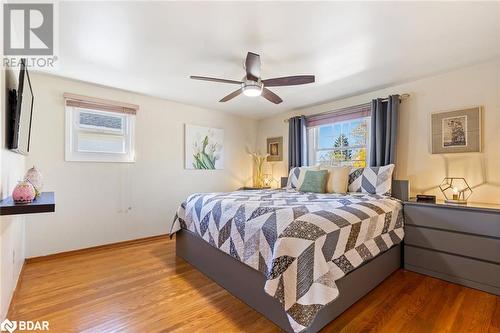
column 314, row 181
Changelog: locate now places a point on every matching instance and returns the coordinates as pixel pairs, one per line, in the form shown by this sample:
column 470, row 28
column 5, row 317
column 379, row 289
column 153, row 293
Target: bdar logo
column 8, row 325
column 24, row 325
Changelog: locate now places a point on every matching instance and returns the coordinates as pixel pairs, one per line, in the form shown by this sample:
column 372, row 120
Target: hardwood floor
column 143, row 287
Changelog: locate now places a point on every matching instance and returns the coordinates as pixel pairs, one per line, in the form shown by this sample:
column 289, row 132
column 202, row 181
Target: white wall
column 92, row 199
column 475, row 85
column 12, row 228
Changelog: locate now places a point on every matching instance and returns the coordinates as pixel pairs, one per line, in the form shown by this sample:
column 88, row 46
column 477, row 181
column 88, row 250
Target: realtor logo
column 8, row 325
column 28, row 29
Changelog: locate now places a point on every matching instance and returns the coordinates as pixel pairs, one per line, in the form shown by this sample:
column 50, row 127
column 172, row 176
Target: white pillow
column 374, row 180
column 338, row 178
column 296, row 175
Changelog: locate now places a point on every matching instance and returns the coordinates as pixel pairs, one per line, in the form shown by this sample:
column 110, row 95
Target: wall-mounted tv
column 21, row 109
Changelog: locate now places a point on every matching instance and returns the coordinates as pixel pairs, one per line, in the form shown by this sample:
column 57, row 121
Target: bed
column 300, row 259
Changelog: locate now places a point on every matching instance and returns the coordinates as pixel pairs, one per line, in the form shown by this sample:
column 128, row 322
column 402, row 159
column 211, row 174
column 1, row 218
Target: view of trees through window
column 342, row 143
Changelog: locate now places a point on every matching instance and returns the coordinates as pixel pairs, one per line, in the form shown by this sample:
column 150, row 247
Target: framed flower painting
column 204, row 148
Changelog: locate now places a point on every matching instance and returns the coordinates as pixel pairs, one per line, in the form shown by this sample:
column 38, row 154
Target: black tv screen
column 22, row 110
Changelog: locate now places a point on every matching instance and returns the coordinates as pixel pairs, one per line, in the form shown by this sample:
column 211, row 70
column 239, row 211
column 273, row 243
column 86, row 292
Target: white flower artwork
column 204, row 147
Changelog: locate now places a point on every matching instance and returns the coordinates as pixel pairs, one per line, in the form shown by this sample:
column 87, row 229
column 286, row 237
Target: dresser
column 457, row 243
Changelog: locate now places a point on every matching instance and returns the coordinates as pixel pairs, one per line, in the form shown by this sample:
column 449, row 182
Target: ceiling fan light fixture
column 252, row 85
column 252, row 88
column 252, row 91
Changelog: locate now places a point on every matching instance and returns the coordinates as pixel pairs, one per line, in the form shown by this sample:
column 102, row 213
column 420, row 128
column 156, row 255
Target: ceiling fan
column 252, row 85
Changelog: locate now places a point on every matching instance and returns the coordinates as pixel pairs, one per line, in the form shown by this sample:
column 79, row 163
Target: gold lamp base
column 456, row 202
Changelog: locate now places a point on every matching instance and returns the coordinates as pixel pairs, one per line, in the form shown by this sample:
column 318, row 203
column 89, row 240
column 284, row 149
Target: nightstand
column 457, row 243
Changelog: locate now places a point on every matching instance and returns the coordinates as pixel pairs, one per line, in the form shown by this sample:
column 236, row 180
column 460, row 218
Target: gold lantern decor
column 455, row 190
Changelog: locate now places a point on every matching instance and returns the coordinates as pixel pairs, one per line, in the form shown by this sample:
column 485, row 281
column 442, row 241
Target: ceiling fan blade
column 288, row 80
column 252, row 66
column 213, row 79
column 232, row 95
column 270, row 96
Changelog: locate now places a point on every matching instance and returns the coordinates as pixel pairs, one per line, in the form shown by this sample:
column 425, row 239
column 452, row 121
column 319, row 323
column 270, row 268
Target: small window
column 344, row 143
column 94, row 135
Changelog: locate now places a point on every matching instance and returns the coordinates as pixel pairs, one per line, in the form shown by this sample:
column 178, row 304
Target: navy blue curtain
column 384, row 125
column 297, row 146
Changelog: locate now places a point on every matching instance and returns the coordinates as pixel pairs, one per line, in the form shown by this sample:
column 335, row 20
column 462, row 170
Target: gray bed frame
column 247, row 283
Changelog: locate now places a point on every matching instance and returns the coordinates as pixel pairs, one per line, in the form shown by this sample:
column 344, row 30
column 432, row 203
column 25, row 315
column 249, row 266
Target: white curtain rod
column 402, row 97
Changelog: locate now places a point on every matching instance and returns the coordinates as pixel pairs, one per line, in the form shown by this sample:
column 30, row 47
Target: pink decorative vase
column 23, row 193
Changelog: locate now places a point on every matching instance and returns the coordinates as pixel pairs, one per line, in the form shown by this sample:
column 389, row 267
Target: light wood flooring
column 144, row 287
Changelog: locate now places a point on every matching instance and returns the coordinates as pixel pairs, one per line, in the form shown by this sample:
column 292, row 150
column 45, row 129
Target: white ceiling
column 351, row 47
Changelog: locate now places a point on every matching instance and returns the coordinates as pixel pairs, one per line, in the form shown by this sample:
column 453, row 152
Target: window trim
column 340, row 115
column 71, row 155
column 99, row 104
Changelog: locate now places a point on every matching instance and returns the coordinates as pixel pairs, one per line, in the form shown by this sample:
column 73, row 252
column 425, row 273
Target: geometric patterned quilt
column 301, row 242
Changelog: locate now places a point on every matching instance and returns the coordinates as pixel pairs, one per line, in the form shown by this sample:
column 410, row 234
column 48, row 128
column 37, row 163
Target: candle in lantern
column 455, row 193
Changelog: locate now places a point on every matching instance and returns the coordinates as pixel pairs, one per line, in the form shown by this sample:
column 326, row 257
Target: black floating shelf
column 46, row 203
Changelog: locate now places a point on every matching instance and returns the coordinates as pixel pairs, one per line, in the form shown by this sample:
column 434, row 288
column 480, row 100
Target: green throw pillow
column 314, row 181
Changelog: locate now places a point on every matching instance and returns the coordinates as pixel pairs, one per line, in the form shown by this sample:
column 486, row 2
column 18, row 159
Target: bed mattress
column 301, row 242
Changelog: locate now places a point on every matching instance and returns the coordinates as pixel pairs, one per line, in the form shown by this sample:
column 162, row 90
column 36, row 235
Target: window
column 342, row 143
column 96, row 134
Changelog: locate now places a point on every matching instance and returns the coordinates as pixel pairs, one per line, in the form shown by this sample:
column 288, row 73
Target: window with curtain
column 98, row 130
column 340, row 138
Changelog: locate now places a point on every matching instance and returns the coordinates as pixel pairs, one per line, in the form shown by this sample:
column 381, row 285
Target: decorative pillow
column 302, row 174
column 338, row 178
column 374, row 180
column 314, row 181
column 294, row 175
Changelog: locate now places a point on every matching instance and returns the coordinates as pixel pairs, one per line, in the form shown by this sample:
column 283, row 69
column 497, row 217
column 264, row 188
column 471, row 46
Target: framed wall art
column 457, row 131
column 275, row 149
column 204, row 147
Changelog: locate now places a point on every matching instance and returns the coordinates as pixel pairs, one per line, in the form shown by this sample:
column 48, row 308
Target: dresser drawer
column 484, row 248
column 485, row 223
column 454, row 266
